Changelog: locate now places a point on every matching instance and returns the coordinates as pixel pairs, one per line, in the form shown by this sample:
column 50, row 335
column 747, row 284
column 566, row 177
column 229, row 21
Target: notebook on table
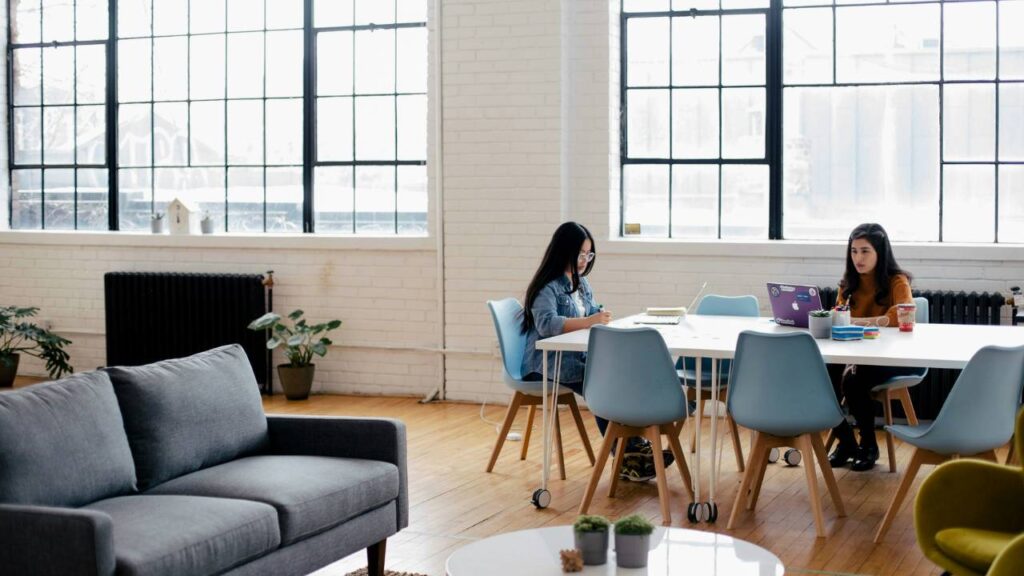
column 792, row 302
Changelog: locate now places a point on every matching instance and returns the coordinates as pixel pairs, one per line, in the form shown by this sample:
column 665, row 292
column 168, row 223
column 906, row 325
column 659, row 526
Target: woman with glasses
column 559, row 300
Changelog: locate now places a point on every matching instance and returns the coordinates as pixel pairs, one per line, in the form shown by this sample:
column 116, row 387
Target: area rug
column 362, row 572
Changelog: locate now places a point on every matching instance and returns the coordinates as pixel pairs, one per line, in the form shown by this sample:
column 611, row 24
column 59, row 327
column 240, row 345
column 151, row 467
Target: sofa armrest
column 55, row 541
column 340, row 437
column 1010, row 561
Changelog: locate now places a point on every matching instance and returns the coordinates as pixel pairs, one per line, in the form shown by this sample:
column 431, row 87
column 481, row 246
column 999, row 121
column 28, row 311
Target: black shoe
column 841, row 455
column 865, row 458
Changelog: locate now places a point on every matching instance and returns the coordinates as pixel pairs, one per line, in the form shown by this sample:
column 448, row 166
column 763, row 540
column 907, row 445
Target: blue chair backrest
column 979, row 412
column 921, row 314
column 630, row 378
column 717, row 305
column 506, row 314
column 779, row 385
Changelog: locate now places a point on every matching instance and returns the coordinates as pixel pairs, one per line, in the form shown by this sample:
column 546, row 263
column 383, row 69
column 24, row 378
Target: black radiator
column 944, row 307
column 154, row 316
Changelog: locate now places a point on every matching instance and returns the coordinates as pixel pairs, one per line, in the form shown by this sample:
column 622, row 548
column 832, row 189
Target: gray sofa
column 173, row 469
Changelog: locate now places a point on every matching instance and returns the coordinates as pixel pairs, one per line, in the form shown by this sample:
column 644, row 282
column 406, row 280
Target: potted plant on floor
column 632, row 541
column 591, row 538
column 18, row 336
column 301, row 342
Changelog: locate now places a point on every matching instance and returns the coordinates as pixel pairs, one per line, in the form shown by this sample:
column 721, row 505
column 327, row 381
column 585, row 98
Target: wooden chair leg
column 653, row 434
column 890, row 445
column 1011, row 455
column 989, row 455
column 757, row 454
column 602, row 457
column 672, row 433
column 620, row 452
column 510, row 416
column 760, row 467
column 575, row 409
column 526, row 433
column 804, row 444
column 826, row 473
column 737, row 448
column 908, row 407
column 558, row 441
column 916, row 460
column 375, row 558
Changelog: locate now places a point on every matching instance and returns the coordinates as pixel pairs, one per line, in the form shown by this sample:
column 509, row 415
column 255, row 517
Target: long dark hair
column 562, row 253
column 885, row 268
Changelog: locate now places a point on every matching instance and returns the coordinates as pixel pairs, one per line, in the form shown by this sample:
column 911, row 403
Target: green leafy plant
column 635, row 525
column 300, row 340
column 18, row 336
column 591, row 523
column 820, row 313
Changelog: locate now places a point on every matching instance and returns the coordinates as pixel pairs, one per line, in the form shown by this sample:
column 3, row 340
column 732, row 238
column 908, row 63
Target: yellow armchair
column 969, row 516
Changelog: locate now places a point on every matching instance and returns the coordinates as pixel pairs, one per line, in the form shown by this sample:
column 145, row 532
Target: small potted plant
column 157, row 222
column 206, row 224
column 819, row 322
column 301, row 342
column 591, row 539
column 632, row 541
column 18, row 336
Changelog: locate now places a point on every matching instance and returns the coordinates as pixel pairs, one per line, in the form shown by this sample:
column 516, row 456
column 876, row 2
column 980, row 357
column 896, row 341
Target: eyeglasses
column 585, row 257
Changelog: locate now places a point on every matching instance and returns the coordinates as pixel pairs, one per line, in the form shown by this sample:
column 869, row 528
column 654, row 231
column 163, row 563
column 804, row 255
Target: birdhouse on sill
column 184, row 217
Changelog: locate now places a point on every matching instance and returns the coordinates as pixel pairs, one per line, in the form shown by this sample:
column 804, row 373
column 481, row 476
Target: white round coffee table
column 673, row 551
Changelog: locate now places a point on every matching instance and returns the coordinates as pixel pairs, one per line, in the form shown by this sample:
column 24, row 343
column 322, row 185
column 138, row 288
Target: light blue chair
column 506, row 315
column 787, row 403
column 976, row 418
column 631, row 381
column 716, row 305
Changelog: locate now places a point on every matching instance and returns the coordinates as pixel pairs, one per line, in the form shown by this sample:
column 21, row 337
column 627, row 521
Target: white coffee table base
column 673, row 551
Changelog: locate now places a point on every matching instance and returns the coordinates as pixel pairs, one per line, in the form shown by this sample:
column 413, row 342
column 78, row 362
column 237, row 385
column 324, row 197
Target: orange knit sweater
column 862, row 302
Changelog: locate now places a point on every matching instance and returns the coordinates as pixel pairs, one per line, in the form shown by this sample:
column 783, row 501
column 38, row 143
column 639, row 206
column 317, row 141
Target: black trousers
column 855, row 385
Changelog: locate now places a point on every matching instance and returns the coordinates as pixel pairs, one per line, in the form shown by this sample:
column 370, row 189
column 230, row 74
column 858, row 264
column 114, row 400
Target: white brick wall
column 530, row 138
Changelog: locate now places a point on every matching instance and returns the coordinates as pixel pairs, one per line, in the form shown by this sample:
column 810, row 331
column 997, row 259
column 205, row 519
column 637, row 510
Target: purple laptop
column 792, row 302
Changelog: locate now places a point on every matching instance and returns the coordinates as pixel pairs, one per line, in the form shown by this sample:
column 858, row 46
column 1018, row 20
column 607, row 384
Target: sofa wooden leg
column 375, row 558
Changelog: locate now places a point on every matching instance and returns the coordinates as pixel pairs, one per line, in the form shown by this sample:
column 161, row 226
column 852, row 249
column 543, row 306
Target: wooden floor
column 453, row 501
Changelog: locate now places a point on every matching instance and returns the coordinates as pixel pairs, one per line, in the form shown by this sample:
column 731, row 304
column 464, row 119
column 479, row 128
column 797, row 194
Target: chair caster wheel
column 702, row 512
column 541, row 498
column 712, row 512
column 773, row 455
column 792, row 457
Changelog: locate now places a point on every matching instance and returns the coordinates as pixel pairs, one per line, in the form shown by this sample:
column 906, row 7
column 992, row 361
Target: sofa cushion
column 63, row 443
column 974, row 548
column 183, row 535
column 310, row 493
column 186, row 414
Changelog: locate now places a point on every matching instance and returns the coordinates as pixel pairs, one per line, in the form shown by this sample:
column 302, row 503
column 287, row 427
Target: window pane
column 968, row 204
column 695, row 201
column 412, row 200
column 375, row 128
column 134, row 147
column 848, row 151
column 91, row 74
column 58, row 75
column 645, row 199
column 411, row 11
column 333, row 193
column 92, row 20
column 375, row 200
column 284, row 200
column 412, row 60
column 206, row 142
column 333, row 12
column 1011, row 122
column 91, row 137
column 375, row 62
column 58, row 22
column 245, row 15
column 284, row 63
column 245, row 65
column 59, row 135
column 25, row 25
column 245, row 201
column 284, row 132
column 334, row 129
column 887, row 43
column 969, row 122
column 170, row 138
column 134, row 199
column 647, row 120
column 245, row 132
column 374, row 12
column 743, row 117
column 743, row 45
column 744, row 201
column 133, row 18
column 412, row 127
column 970, row 41
column 203, row 187
column 691, row 4
column 207, row 66
column 647, row 52
column 26, row 199
column 59, row 199
column 206, row 16
column 807, row 46
column 1011, row 41
column 334, row 63
column 170, row 68
column 133, row 71
column 1011, row 203
column 93, row 200
column 28, row 136
column 648, row 5
column 170, row 17
column 285, row 14
column 27, row 76
column 695, row 123
column 695, row 51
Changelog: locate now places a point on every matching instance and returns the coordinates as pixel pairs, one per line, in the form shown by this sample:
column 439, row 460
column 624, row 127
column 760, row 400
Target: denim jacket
column 550, row 309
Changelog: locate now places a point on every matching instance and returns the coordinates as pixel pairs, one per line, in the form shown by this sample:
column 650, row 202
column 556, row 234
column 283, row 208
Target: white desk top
column 929, row 345
column 674, row 551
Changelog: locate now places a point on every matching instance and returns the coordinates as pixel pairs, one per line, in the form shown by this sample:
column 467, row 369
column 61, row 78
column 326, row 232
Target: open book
column 671, row 311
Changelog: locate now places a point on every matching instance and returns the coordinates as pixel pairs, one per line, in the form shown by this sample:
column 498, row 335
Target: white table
column 674, row 551
column 929, row 345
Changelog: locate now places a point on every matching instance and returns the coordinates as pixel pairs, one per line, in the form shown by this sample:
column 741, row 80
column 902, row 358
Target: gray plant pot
column 631, row 550
column 8, row 370
column 206, row 226
column 157, row 225
column 820, row 327
column 594, row 546
column 296, row 382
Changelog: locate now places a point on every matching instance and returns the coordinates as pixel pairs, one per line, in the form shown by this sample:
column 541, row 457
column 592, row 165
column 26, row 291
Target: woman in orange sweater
column 872, row 286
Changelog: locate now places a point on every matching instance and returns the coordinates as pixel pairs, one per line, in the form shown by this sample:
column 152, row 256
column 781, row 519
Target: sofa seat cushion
column 187, row 535
column 311, row 493
column 974, row 548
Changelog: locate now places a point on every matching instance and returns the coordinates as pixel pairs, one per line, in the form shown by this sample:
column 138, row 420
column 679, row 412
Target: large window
column 213, row 101
column 909, row 113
